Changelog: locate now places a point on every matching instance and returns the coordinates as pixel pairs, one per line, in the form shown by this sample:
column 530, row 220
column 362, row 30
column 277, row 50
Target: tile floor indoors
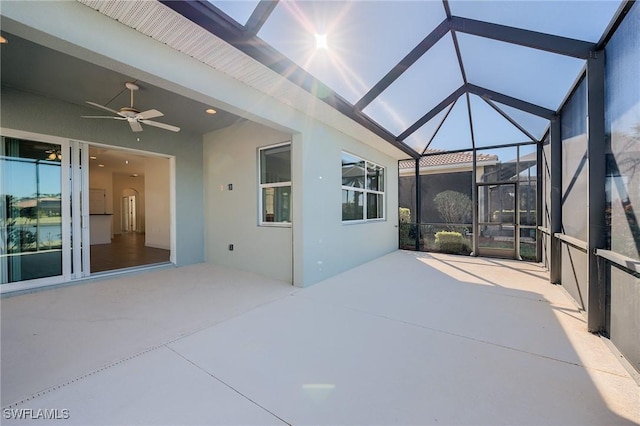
column 410, row 338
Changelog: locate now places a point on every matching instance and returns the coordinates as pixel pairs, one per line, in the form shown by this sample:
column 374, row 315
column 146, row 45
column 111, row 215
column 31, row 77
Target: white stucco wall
column 157, row 181
column 230, row 157
column 324, row 245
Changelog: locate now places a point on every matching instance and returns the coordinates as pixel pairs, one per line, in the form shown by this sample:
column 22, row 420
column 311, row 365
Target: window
column 362, row 189
column 275, row 185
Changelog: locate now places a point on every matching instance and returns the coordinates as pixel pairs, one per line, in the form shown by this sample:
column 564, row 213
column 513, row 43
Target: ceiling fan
column 132, row 115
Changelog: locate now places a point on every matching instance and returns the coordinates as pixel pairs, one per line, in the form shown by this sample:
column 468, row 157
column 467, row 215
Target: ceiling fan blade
column 104, row 108
column 161, row 125
column 135, row 126
column 102, row 116
column 152, row 113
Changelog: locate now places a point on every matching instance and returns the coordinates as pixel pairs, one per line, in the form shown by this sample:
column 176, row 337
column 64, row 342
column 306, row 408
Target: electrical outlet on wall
column 230, row 247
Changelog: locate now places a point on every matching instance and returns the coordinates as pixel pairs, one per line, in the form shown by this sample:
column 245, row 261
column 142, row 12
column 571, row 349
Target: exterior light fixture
column 93, row 158
column 3, row 40
column 100, row 165
column 211, row 111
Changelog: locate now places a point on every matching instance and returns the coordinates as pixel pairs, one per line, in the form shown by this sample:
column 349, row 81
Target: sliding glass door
column 40, row 196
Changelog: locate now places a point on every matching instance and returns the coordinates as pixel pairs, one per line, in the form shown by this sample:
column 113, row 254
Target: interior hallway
column 410, row 338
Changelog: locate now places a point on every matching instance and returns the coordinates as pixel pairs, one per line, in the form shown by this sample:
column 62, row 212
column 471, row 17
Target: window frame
column 366, row 191
column 262, row 186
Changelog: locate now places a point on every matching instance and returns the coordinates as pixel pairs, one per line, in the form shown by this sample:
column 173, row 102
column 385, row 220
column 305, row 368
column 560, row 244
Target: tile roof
column 445, row 159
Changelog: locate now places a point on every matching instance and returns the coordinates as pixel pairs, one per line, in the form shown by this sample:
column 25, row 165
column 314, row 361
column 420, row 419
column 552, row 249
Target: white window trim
column 262, row 186
column 366, row 191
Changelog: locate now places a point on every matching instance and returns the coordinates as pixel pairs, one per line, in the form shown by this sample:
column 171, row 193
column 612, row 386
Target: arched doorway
column 129, row 212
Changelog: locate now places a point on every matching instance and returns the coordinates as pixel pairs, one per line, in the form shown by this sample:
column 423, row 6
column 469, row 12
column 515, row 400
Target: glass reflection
column 31, row 210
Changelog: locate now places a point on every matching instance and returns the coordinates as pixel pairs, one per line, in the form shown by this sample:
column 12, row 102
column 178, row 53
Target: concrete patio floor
column 410, row 338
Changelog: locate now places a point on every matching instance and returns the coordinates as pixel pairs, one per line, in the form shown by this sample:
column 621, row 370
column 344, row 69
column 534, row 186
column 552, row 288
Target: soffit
column 161, row 23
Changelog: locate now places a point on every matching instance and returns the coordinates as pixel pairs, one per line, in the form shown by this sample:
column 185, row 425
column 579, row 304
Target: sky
column 23, row 179
column 365, row 39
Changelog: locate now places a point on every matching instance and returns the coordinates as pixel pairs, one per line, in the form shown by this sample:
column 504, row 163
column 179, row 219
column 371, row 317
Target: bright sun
column 321, row 41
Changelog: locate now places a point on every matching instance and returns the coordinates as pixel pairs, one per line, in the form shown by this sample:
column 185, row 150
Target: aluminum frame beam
column 533, row 39
column 510, row 120
column 416, row 53
column 555, row 136
column 485, row 94
column 434, row 111
column 511, row 101
column 259, row 16
column 596, row 236
column 211, row 19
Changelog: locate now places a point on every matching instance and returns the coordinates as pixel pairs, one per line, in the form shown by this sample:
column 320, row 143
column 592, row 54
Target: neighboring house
column 440, row 172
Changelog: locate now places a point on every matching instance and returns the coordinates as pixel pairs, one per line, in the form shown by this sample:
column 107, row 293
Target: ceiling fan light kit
column 133, row 116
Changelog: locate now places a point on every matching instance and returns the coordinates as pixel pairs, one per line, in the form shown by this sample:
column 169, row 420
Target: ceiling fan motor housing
column 129, row 112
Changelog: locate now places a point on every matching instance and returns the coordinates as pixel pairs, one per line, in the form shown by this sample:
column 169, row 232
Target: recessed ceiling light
column 134, row 175
column 100, row 165
column 93, row 158
column 3, row 40
column 126, row 161
column 211, row 111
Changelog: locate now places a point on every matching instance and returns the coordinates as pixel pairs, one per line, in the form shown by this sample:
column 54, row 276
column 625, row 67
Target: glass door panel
column 31, row 210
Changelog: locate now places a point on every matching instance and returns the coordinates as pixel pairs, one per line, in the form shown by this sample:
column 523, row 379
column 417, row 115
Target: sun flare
column 321, row 41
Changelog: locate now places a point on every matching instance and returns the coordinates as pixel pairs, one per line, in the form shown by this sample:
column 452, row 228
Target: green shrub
column 454, row 207
column 451, row 242
column 405, row 215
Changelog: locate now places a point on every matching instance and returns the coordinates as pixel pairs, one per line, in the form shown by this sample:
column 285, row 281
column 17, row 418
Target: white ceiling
column 33, row 68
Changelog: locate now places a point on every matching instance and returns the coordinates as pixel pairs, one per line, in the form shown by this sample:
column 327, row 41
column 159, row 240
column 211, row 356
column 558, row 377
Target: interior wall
column 58, row 118
column 156, row 189
column 103, row 179
column 231, row 158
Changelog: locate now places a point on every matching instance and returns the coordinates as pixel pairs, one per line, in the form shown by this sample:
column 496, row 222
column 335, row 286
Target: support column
column 539, row 198
column 556, row 201
column 474, row 203
column 418, row 204
column 596, row 236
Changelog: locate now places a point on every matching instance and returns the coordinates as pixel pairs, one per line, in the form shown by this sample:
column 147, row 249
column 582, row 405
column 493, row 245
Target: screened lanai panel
column 419, row 139
column 622, row 114
column 533, row 124
column 491, row 128
column 238, row 10
column 532, row 75
column 502, row 167
column 575, row 164
column 364, row 40
column 423, row 86
column 527, row 159
column 455, row 132
column 581, row 20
